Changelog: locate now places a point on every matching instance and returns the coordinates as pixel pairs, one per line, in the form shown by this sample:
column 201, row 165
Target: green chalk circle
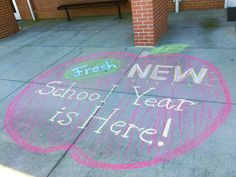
column 93, row 69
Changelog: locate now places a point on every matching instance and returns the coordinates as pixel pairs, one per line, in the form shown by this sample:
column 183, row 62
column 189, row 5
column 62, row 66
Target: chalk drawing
column 93, row 69
column 109, row 111
column 169, row 49
column 164, row 69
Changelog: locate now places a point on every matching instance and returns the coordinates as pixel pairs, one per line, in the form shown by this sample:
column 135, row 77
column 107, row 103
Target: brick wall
column 197, row 4
column 149, row 21
column 24, row 9
column 8, row 24
column 48, row 9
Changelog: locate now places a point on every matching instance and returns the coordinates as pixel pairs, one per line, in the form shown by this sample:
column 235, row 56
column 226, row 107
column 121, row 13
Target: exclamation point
column 165, row 132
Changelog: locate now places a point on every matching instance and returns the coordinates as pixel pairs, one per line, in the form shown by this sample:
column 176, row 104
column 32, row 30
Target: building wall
column 197, row 4
column 46, row 9
column 23, row 9
column 8, row 24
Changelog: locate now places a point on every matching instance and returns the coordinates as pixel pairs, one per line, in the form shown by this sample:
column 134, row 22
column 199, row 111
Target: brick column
column 149, row 21
column 8, row 24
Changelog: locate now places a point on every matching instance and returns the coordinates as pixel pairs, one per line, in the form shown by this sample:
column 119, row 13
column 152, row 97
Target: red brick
column 8, row 24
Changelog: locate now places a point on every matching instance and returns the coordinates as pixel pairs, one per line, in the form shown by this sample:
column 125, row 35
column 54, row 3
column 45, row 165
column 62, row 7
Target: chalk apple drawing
column 153, row 109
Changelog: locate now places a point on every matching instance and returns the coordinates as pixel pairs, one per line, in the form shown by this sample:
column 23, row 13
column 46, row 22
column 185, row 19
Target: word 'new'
column 159, row 71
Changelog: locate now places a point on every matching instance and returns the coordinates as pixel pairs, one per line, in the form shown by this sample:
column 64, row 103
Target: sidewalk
column 33, row 142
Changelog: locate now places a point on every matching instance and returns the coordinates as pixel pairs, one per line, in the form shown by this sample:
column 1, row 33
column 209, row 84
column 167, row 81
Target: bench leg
column 119, row 12
column 67, row 14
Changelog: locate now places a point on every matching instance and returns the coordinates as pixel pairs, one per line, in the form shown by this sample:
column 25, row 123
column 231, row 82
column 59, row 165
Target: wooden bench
column 92, row 3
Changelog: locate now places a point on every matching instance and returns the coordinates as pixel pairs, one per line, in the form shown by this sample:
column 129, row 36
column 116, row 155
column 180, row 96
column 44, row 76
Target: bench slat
column 92, row 3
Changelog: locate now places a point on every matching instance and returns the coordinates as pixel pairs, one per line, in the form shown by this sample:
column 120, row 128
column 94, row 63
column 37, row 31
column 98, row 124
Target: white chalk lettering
column 179, row 76
column 62, row 121
column 117, row 128
column 141, row 74
column 150, row 102
column 131, row 126
column 157, row 71
column 92, row 116
column 117, row 124
column 82, row 95
column 166, row 102
column 182, row 101
column 149, row 131
column 41, row 92
column 71, row 93
column 140, row 96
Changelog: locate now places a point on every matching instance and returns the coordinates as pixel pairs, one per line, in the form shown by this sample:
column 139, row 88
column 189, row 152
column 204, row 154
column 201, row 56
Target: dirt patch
column 210, row 24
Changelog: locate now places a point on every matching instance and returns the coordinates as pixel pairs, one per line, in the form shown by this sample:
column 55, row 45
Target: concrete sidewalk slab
column 39, row 25
column 8, row 87
column 86, row 51
column 223, row 59
column 212, row 158
column 223, row 37
column 41, row 127
column 110, row 38
column 85, row 24
column 22, row 38
column 42, row 152
column 25, row 63
column 4, row 103
column 122, row 24
column 196, row 19
column 63, row 38
column 207, row 29
column 31, row 163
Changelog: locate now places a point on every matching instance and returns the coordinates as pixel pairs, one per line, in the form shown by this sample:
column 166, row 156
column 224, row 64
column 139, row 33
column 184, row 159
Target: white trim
column 17, row 13
column 177, row 2
column 177, row 6
column 230, row 3
column 31, row 10
column 226, row 3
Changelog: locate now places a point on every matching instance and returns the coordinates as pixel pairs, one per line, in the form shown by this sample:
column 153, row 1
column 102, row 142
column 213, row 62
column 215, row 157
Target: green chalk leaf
column 168, row 49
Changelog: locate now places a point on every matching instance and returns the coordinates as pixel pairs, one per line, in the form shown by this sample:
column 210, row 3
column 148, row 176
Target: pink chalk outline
column 82, row 158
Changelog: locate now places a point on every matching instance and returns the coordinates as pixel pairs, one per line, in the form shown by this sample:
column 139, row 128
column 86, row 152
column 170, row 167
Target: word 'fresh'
column 92, row 69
